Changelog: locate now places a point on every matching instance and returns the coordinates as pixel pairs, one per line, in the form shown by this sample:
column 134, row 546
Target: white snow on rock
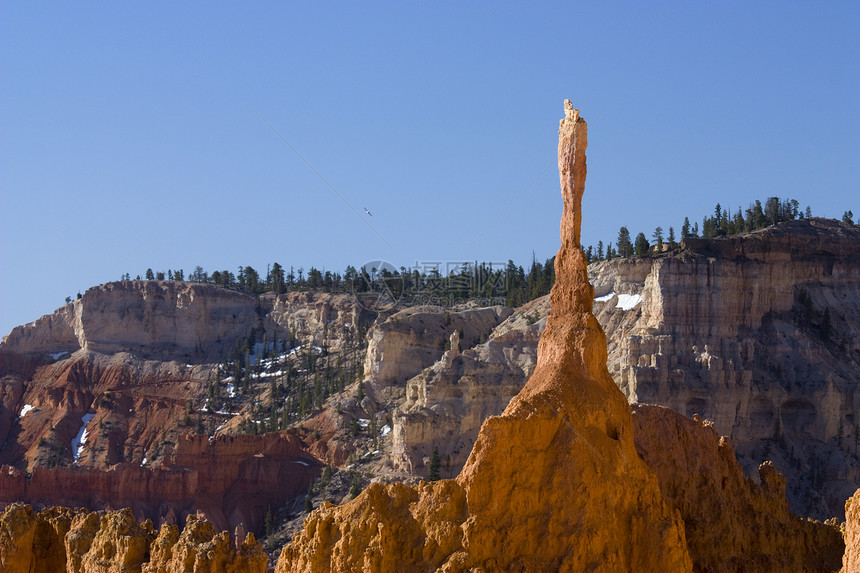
column 56, row 356
column 385, row 429
column 80, row 440
column 298, row 462
column 628, row 301
column 24, row 410
column 605, row 298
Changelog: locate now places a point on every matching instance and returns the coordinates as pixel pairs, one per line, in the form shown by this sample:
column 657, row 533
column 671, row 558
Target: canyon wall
column 447, row 402
column 756, row 333
column 732, row 329
column 96, row 401
column 231, row 480
column 155, row 319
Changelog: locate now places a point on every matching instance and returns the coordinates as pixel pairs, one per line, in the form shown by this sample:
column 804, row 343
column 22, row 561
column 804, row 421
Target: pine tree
column 270, row 521
column 435, row 465
column 309, row 502
column 623, row 244
column 642, row 246
column 658, row 238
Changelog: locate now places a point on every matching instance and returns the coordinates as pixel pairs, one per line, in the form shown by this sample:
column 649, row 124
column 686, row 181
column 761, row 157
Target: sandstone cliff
column 160, row 319
column 727, row 328
column 414, row 338
column 109, row 407
column 757, row 334
column 77, row 541
column 557, row 467
column 446, row 403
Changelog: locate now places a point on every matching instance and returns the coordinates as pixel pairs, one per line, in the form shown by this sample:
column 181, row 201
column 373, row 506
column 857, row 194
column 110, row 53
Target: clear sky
column 131, row 135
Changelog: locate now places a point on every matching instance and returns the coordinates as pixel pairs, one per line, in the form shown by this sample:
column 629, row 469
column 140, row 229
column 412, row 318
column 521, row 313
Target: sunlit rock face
column 558, row 467
column 77, row 541
column 732, row 522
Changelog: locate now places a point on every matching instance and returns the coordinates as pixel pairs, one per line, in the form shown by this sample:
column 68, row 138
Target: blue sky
column 131, row 137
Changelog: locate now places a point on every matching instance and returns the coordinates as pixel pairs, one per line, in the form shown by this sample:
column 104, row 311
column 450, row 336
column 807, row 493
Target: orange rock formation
column 851, row 559
column 553, row 484
column 731, row 522
column 60, row 539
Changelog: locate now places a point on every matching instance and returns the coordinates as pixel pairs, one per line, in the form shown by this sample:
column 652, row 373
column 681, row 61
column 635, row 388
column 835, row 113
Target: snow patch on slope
column 80, row 440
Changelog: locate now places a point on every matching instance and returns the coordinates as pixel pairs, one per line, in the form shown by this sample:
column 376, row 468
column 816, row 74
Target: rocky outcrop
column 414, row 338
column 851, row 559
column 326, row 320
column 200, row 549
column 732, row 523
column 755, row 333
column 157, row 319
column 557, row 467
column 446, row 403
column 77, row 541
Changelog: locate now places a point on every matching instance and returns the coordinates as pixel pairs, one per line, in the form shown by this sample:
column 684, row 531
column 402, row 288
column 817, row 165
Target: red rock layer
column 231, row 479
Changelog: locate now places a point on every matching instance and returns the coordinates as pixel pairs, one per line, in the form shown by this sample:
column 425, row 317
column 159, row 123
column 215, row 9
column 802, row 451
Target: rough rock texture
column 414, row 338
column 446, row 404
column 851, row 559
column 77, row 541
column 149, row 318
column 101, row 387
column 554, row 483
column 732, row 523
column 132, row 401
column 756, row 333
column 200, row 549
column 318, row 319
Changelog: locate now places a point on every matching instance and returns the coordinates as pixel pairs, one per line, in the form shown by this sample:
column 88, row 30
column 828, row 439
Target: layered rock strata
column 554, row 483
column 447, row 402
column 231, row 480
column 414, row 338
column 755, row 333
column 149, row 318
column 77, row 541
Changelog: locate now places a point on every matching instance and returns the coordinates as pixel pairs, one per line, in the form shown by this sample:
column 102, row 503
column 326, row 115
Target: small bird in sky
column 368, row 211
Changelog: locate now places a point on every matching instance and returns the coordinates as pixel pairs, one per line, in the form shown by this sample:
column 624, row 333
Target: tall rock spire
column 553, row 484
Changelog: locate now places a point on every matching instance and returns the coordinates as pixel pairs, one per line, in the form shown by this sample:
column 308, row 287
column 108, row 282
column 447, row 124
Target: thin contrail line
column 357, row 214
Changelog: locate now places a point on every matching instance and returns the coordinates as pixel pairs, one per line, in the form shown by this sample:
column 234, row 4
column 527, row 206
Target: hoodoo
column 552, row 484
